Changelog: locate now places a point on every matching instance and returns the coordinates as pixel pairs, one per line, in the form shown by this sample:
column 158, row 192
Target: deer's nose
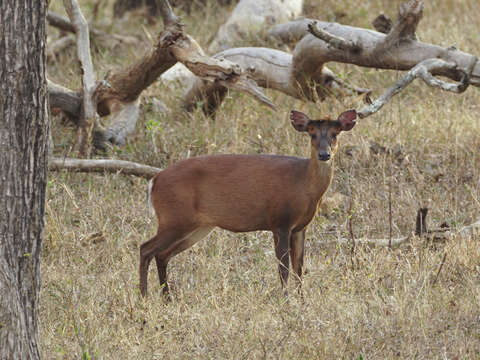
column 324, row 156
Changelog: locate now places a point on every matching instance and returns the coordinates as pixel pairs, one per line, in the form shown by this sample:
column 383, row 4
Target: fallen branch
column 311, row 53
column 123, row 87
column 403, row 30
column 67, row 100
column 366, row 241
column 60, row 22
column 422, row 71
column 227, row 73
column 270, row 69
column 103, row 165
column 305, row 76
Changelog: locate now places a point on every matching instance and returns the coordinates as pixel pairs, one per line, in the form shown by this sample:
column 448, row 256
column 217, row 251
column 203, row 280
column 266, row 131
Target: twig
column 440, row 268
column 350, row 229
column 390, row 207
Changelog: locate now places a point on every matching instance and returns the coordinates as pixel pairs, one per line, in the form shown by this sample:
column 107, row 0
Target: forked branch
column 423, row 71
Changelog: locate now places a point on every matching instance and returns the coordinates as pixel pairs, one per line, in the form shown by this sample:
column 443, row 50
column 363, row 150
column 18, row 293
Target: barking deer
column 244, row 193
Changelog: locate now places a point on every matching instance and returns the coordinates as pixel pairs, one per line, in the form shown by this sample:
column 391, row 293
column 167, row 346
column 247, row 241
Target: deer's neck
column 319, row 174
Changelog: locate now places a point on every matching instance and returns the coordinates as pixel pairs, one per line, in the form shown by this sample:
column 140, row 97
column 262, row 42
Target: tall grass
column 227, row 302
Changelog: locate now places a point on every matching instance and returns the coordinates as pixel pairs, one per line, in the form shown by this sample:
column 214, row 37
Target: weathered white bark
column 89, row 118
column 270, row 69
column 423, row 71
column 124, row 124
column 103, row 165
column 311, row 52
column 249, row 17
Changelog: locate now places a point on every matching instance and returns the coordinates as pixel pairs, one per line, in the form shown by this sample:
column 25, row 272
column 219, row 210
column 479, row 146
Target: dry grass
column 227, row 301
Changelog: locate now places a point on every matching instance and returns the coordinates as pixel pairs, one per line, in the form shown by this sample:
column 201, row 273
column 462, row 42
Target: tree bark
column 23, row 173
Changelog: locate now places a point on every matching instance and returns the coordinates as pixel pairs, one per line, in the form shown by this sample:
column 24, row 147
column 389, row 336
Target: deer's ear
column 347, row 120
column 299, row 120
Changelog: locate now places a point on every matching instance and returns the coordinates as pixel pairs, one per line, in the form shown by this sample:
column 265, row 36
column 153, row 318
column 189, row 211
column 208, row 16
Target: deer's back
column 234, row 192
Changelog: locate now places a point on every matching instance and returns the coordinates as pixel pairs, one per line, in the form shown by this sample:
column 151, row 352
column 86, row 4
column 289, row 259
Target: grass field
column 410, row 302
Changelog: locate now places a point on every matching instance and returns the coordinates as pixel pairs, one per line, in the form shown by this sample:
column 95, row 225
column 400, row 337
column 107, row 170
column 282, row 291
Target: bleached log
column 311, row 52
column 270, row 69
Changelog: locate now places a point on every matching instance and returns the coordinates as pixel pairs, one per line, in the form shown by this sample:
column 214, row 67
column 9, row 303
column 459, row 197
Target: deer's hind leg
column 162, row 258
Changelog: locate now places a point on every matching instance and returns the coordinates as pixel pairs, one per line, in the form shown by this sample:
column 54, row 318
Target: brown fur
column 240, row 193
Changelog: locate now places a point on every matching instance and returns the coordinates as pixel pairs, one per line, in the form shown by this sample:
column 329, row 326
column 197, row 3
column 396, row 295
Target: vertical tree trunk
column 23, row 176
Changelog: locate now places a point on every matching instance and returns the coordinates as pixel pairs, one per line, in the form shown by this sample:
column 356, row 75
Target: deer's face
column 323, row 133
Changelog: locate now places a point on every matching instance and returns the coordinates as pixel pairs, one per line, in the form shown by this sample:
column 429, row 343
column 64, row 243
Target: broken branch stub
column 332, row 40
column 218, row 69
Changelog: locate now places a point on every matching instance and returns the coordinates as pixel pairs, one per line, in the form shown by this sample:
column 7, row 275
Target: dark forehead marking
column 326, row 123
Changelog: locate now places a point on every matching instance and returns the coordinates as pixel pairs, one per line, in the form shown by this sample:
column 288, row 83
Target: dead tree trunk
column 23, row 169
